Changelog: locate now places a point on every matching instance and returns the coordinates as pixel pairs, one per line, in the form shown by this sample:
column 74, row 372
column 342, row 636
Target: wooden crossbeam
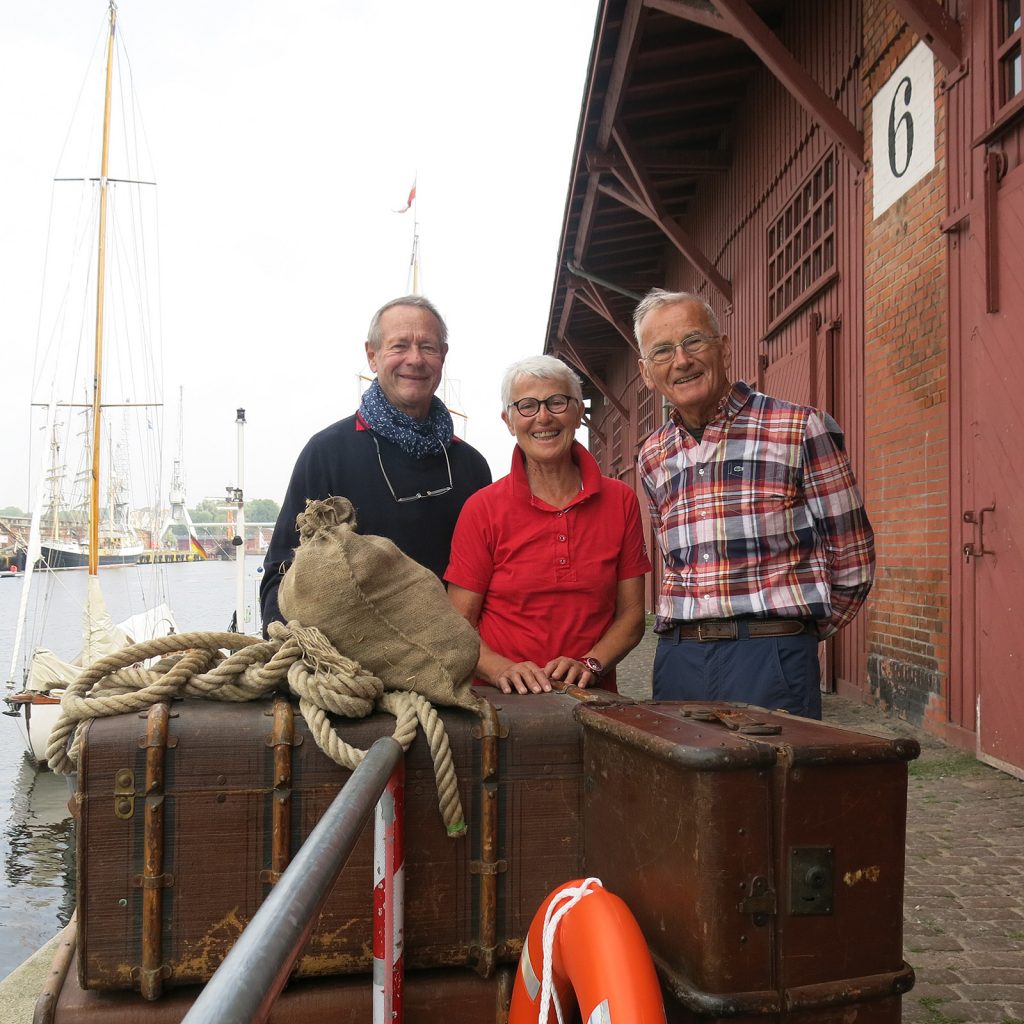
column 743, row 22
column 934, row 25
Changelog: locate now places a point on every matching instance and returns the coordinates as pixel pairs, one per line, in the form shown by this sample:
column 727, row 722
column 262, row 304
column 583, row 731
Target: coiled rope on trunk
column 296, row 659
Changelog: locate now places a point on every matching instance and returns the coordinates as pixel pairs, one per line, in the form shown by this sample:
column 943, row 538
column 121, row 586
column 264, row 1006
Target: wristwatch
column 593, row 665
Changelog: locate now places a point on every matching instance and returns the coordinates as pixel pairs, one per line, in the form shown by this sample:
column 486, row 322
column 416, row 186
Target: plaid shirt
column 762, row 517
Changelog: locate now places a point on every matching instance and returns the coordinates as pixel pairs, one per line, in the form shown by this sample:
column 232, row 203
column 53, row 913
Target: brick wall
column 906, row 409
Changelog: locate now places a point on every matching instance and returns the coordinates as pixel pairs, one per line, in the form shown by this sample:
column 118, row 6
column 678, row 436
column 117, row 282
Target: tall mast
column 94, row 484
column 413, row 285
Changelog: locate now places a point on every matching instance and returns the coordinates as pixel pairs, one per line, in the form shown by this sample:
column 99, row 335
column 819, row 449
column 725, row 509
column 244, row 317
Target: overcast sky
column 282, row 138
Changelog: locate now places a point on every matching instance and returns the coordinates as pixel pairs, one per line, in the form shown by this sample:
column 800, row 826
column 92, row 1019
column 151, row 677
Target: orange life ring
column 597, row 953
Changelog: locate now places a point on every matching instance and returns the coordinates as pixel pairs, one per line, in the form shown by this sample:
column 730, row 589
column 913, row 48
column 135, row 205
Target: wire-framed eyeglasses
column 422, row 494
column 531, row 406
column 692, row 345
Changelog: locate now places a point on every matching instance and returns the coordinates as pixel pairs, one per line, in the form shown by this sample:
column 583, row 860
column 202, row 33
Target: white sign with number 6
column 903, row 128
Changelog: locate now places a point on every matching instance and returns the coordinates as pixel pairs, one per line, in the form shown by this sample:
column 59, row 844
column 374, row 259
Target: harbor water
column 37, row 876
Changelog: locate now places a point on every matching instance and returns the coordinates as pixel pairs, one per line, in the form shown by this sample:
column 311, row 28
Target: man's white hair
column 656, row 298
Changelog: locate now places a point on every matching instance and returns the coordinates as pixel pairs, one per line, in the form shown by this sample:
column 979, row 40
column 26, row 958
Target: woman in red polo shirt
column 548, row 563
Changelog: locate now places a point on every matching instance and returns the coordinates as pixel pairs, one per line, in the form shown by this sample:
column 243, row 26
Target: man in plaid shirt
column 767, row 548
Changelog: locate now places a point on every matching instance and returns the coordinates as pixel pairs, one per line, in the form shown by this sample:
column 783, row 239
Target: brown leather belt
column 739, row 629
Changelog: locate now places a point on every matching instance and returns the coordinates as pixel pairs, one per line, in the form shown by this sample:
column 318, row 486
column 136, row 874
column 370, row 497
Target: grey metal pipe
column 245, row 986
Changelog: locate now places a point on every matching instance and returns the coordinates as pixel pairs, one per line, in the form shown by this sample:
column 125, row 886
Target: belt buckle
column 701, row 623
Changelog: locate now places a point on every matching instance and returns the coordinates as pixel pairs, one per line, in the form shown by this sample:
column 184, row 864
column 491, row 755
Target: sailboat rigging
column 45, row 674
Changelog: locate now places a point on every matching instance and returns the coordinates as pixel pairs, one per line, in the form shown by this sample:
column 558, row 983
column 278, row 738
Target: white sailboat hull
column 41, row 716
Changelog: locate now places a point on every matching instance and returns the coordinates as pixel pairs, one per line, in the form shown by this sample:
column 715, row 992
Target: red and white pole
column 389, row 900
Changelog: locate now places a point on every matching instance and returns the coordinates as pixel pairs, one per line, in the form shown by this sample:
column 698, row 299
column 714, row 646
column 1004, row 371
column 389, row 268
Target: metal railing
column 245, row 986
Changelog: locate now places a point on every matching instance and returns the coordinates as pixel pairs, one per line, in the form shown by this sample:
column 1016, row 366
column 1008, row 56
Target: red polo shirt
column 548, row 576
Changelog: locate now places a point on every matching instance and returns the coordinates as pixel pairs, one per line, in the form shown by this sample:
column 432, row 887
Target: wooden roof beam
column 739, row 19
column 567, row 304
column 697, row 160
column 620, row 195
column 622, row 63
column 569, row 350
column 655, row 211
column 931, row 22
column 591, row 295
column 590, row 425
column 700, row 12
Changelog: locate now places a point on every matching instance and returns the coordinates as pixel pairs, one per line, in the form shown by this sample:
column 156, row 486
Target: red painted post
column 389, row 900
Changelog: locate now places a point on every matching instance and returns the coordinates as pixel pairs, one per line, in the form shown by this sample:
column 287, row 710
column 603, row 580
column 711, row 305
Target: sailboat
column 97, row 538
column 65, row 545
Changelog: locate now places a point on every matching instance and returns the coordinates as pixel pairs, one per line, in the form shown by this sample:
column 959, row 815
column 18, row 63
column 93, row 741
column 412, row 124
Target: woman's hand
column 523, row 677
column 569, row 670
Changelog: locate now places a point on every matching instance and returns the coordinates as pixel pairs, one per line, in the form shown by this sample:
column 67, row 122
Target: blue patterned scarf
column 418, row 438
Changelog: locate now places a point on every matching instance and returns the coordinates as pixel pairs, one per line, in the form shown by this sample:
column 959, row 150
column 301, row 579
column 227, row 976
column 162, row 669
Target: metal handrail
column 245, row 986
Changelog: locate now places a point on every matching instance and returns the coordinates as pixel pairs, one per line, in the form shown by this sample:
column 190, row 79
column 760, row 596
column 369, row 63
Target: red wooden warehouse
column 842, row 182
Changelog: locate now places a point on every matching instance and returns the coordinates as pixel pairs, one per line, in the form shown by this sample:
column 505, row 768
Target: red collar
column 590, row 473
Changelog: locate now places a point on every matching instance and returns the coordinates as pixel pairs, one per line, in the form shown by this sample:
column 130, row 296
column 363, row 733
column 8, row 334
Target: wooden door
column 804, row 376
column 991, row 537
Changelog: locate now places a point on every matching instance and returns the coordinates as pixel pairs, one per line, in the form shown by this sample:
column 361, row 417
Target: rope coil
column 296, row 659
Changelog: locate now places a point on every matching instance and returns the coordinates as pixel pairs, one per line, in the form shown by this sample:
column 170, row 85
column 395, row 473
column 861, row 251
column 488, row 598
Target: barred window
column 645, row 410
column 616, row 442
column 597, row 449
column 802, row 243
column 1008, row 53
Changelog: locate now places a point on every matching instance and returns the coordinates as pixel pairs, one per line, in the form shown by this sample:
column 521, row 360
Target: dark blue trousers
column 771, row 671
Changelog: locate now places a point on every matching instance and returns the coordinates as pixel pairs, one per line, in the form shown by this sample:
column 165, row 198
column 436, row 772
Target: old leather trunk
column 763, row 858
column 181, row 836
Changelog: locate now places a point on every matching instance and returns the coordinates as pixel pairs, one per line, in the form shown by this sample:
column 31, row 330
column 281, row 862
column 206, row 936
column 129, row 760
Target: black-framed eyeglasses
column 422, row 494
column 531, row 406
column 692, row 344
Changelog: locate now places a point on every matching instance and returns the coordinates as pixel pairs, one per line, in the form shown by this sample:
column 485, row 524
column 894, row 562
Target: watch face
column 594, row 665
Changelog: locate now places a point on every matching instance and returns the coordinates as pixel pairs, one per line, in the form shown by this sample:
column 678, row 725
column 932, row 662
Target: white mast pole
column 239, row 540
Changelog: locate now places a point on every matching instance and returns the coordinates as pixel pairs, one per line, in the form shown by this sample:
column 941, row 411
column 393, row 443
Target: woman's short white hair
column 543, row 368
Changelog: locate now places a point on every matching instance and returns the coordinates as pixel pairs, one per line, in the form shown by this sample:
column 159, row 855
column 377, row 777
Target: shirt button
column 703, row 514
column 700, row 472
column 561, row 537
column 560, row 514
column 561, row 561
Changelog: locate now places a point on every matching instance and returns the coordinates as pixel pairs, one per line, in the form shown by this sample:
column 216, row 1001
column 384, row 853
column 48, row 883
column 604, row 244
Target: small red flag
column 408, row 202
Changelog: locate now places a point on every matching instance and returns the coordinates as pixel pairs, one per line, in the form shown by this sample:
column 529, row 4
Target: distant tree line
column 213, row 510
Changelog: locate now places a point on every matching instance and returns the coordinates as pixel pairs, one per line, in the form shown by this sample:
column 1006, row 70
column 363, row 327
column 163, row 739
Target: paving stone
column 988, row 993
column 993, row 975
column 995, row 958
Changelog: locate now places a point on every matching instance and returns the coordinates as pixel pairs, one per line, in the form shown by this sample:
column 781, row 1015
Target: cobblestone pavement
column 963, row 917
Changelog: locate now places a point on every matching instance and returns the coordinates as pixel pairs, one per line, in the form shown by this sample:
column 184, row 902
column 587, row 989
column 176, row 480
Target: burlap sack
column 378, row 606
